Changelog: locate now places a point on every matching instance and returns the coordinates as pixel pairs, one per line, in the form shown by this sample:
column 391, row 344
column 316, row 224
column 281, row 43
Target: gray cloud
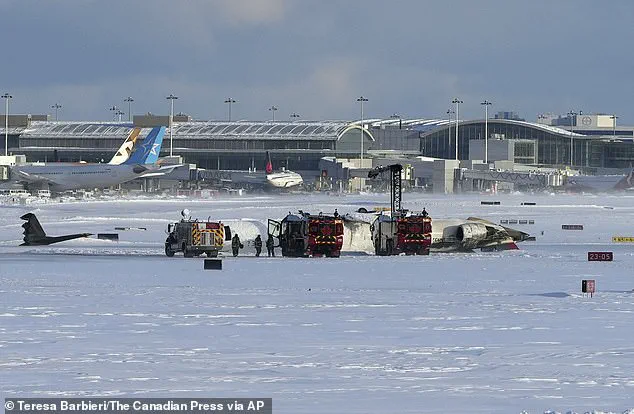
column 316, row 57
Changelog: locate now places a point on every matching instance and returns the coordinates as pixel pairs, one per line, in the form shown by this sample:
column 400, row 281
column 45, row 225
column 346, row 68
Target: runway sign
column 517, row 222
column 572, row 226
column 108, row 236
column 490, row 203
column 529, row 204
column 213, row 264
column 600, row 256
column 621, row 239
column 588, row 286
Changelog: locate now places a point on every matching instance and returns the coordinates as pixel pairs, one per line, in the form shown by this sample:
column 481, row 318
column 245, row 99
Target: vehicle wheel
column 212, row 254
column 362, row 210
column 168, row 250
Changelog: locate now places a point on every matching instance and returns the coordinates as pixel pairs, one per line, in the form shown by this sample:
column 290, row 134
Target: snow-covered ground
column 460, row 333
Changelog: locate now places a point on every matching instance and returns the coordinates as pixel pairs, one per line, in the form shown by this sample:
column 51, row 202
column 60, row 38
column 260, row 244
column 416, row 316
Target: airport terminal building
column 589, row 141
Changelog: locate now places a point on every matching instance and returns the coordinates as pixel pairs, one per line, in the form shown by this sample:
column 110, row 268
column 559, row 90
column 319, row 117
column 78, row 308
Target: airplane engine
column 470, row 234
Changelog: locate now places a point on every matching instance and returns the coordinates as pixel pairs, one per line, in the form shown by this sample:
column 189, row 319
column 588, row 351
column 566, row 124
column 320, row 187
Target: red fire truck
column 399, row 232
column 304, row 235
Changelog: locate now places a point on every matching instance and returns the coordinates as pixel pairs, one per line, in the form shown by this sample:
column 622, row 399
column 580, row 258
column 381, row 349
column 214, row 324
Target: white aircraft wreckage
column 448, row 235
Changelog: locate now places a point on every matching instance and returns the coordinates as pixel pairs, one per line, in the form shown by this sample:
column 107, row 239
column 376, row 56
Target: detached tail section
column 149, row 149
column 33, row 231
column 269, row 164
column 34, row 234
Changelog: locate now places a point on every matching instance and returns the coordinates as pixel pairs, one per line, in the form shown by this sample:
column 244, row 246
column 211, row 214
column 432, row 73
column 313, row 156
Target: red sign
column 587, row 286
column 600, row 256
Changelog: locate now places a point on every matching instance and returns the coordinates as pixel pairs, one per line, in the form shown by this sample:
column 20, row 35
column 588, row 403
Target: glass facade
column 553, row 145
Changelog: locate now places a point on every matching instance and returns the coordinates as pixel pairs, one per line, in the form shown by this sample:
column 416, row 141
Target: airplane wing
column 157, row 172
column 32, row 178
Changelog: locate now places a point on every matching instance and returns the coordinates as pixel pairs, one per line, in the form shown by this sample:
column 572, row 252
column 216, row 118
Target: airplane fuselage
column 284, row 179
column 62, row 177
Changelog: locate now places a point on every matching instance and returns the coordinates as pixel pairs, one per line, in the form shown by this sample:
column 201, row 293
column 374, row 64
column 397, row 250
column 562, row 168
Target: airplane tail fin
column 33, row 230
column 626, row 182
column 148, row 151
column 269, row 164
column 126, row 149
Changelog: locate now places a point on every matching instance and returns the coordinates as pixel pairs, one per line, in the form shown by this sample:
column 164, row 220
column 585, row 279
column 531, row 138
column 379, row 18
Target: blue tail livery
column 150, row 148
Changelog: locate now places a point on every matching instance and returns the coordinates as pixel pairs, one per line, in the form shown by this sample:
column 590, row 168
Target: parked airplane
column 34, row 234
column 71, row 176
column 125, row 150
column 448, row 235
column 600, row 183
column 263, row 179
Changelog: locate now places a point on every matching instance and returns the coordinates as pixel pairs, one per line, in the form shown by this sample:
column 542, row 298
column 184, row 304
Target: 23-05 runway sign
column 600, row 256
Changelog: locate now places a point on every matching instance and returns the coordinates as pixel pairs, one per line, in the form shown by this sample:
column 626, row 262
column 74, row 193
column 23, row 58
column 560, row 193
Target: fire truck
column 194, row 237
column 401, row 231
column 304, row 235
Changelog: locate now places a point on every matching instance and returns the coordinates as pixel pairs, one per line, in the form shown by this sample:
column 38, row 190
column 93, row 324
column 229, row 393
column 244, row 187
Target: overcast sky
column 316, row 57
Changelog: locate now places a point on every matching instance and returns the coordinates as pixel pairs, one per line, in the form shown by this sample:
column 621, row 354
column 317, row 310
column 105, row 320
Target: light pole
column 457, row 102
column 56, row 107
column 230, row 101
column 129, row 100
column 119, row 112
column 614, row 118
column 294, row 115
column 361, row 99
column 449, row 112
column 6, row 97
column 400, row 121
column 486, row 129
column 171, row 98
column 273, row 108
column 570, row 115
column 114, row 110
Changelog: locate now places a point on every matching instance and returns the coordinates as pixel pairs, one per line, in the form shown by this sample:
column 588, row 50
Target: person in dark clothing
column 258, row 245
column 270, row 245
column 336, row 213
column 236, row 245
column 424, row 212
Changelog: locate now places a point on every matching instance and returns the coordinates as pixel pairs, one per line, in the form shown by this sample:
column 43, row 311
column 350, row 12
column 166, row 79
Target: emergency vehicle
column 304, row 235
column 195, row 237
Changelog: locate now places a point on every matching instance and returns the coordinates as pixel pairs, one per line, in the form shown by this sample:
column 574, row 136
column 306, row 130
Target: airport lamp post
column 400, row 120
column 614, row 118
column 361, row 99
column 294, row 115
column 449, row 112
column 119, row 113
column 171, row 98
column 457, row 102
column 114, row 110
column 230, row 101
column 56, row 107
column 6, row 97
column 129, row 100
column 486, row 130
column 273, row 108
column 570, row 115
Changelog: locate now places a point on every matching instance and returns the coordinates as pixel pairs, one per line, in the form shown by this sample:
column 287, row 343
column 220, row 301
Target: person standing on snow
column 236, row 245
column 258, row 245
column 270, row 245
